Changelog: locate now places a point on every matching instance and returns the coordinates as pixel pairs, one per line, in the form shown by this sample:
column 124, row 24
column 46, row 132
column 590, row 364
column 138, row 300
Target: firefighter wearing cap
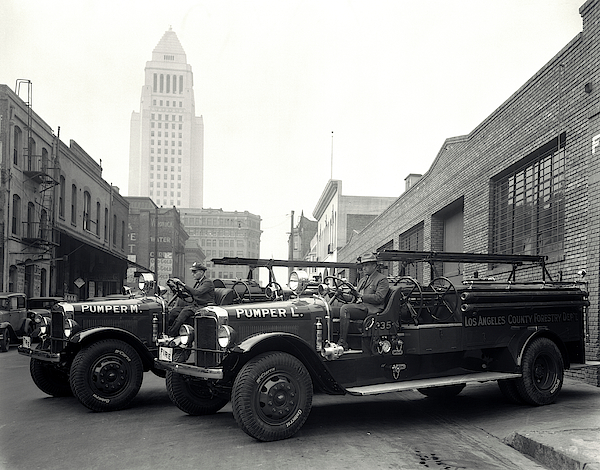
column 371, row 291
column 203, row 293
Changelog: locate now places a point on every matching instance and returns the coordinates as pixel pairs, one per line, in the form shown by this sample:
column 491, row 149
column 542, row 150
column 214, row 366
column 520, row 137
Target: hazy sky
column 392, row 79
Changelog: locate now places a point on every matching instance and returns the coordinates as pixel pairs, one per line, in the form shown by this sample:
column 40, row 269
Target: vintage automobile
column 268, row 358
column 14, row 319
column 99, row 348
column 17, row 314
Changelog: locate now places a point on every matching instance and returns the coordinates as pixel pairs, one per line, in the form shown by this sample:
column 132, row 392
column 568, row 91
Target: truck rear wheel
column 107, row 375
column 49, row 379
column 543, row 369
column 445, row 391
column 509, row 389
column 272, row 396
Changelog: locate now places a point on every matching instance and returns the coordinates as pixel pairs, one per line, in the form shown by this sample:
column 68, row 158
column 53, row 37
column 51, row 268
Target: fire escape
column 38, row 230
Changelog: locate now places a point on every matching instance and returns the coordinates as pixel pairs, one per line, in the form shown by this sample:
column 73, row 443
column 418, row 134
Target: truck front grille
column 207, row 350
column 57, row 342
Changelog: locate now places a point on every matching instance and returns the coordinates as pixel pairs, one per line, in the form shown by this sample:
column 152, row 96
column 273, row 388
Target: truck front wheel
column 543, row 369
column 272, row 396
column 49, row 379
column 107, row 375
column 4, row 340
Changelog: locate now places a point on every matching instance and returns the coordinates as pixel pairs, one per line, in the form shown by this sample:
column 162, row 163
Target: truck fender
column 517, row 348
column 91, row 335
column 291, row 344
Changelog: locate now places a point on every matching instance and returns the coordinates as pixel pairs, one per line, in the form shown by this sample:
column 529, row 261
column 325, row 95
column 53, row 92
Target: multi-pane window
column 528, row 204
column 87, row 208
column 412, row 240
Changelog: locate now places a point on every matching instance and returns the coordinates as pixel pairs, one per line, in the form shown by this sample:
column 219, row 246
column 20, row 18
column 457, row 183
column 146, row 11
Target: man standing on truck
column 372, row 289
column 203, row 293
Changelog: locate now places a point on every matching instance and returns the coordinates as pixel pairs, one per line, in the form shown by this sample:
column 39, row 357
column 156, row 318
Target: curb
column 546, row 455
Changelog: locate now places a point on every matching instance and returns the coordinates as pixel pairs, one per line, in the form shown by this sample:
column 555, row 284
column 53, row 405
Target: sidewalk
column 565, row 435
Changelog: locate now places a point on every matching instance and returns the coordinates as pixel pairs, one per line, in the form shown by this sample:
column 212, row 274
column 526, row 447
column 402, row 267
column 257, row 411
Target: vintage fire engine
column 268, row 358
column 98, row 349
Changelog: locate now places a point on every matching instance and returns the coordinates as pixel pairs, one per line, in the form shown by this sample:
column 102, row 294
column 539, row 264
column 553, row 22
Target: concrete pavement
column 567, row 437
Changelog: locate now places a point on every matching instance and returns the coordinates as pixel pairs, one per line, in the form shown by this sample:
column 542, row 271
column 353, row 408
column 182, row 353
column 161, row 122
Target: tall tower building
column 166, row 151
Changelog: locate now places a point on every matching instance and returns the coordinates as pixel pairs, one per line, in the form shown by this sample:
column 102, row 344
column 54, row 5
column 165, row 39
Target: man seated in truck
column 203, row 293
column 371, row 291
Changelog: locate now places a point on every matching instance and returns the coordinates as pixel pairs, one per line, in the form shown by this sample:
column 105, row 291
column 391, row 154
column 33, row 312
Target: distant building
column 300, row 239
column 145, row 238
column 339, row 217
column 166, row 156
column 221, row 233
column 62, row 224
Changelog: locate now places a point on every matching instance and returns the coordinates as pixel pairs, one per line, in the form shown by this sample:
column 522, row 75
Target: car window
column 20, row 302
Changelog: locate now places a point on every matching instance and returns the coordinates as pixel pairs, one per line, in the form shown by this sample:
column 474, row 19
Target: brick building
column 524, row 181
column 63, row 225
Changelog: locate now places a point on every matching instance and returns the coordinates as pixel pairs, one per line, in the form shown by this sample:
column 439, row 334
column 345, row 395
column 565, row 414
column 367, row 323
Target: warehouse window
column 412, row 240
column 528, row 204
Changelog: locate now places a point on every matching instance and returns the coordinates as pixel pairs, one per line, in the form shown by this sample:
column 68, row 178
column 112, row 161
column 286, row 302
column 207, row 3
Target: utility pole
column 291, row 244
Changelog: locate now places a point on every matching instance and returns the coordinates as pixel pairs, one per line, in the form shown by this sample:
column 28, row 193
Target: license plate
column 27, row 342
column 165, row 354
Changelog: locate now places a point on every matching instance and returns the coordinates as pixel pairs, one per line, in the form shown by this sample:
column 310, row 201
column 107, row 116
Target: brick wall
column 553, row 101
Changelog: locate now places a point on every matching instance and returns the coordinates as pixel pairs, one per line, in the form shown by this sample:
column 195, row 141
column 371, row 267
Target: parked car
column 18, row 316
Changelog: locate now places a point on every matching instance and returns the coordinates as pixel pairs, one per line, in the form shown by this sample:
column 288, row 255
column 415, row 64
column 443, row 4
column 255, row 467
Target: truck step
column 578, row 366
column 427, row 383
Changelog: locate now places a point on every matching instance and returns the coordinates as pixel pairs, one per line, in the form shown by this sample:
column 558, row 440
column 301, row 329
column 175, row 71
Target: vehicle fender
column 88, row 336
column 291, row 344
column 7, row 326
column 519, row 343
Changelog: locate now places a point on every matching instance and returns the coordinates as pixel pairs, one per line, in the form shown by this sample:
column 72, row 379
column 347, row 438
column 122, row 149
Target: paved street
column 394, row 431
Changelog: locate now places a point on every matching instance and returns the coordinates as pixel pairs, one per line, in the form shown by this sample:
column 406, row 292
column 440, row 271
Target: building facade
column 63, row 225
column 145, row 238
column 221, row 233
column 166, row 155
column 339, row 218
column 524, row 181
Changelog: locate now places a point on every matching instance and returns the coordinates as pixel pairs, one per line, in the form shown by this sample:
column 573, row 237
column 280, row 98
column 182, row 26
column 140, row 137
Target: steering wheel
column 240, row 294
column 342, row 290
column 412, row 297
column 445, row 301
column 273, row 291
column 180, row 290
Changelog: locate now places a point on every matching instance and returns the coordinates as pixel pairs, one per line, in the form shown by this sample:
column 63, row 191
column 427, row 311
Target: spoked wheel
column 341, row 290
column 272, row 396
column 445, row 301
column 240, row 292
column 411, row 303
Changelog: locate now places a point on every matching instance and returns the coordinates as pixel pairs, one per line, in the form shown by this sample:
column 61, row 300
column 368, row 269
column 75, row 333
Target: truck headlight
column 69, row 327
column 226, row 336
column 42, row 322
column 186, row 335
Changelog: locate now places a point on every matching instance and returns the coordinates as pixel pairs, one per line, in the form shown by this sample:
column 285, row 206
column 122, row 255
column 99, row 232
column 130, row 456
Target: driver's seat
column 223, row 296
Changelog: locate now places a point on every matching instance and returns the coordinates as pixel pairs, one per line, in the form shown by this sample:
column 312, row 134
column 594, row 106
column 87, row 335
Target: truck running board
column 427, row 383
column 578, row 365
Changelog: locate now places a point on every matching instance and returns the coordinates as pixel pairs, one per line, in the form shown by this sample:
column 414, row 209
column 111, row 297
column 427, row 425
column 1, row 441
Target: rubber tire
column 49, row 379
column 192, row 396
column 543, row 370
column 274, row 371
column 100, row 359
column 4, row 340
column 509, row 389
column 445, row 391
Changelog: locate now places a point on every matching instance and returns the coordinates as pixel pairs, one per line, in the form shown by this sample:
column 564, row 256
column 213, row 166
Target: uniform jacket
column 373, row 288
column 203, row 292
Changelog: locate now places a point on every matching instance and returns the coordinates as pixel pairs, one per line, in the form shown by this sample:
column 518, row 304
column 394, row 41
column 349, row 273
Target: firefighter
column 370, row 296
column 203, row 293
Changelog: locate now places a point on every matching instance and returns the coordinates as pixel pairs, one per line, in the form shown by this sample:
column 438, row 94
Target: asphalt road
column 392, row 431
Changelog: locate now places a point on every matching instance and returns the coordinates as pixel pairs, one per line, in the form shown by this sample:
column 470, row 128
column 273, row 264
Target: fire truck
column 269, row 358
